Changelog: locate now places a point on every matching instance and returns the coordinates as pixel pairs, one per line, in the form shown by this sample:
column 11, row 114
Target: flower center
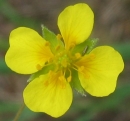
column 62, row 60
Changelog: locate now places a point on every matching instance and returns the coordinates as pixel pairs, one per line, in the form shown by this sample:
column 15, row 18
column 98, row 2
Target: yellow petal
column 49, row 93
column 98, row 71
column 75, row 24
column 28, row 51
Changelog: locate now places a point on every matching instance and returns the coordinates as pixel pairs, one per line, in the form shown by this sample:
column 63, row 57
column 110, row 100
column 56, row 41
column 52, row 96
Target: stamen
column 39, row 67
column 92, row 56
column 61, row 82
column 59, row 37
column 58, row 47
column 86, row 75
column 74, row 67
column 77, row 55
column 69, row 79
column 81, row 68
column 50, row 73
column 72, row 45
column 47, row 43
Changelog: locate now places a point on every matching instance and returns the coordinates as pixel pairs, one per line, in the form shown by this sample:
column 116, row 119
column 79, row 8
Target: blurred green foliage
column 13, row 16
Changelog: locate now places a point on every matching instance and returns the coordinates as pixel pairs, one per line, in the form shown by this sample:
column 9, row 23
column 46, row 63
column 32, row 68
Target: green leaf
column 44, row 70
column 49, row 36
column 85, row 47
column 75, row 82
column 52, row 38
column 90, row 44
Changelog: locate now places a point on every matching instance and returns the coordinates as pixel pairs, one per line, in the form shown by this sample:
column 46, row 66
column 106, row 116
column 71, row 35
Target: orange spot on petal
column 46, row 83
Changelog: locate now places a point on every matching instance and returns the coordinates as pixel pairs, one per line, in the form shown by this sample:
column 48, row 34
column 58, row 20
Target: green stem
column 19, row 112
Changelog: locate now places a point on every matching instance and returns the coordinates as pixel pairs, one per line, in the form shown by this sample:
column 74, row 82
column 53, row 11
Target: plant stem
column 19, row 112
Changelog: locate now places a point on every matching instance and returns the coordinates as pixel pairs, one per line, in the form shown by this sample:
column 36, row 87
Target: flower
column 60, row 62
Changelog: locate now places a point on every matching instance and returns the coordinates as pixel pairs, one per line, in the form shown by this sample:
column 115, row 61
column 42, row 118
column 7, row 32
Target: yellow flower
column 58, row 65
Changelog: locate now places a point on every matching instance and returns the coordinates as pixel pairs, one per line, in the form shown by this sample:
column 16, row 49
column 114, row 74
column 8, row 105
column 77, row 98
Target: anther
column 77, row 55
column 81, row 68
column 39, row 67
column 47, row 43
column 59, row 37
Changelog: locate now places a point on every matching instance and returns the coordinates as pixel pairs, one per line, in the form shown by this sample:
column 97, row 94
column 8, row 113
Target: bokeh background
column 112, row 27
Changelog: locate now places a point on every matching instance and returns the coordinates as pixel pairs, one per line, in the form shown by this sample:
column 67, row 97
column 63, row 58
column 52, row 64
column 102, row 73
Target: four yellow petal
column 75, row 24
column 49, row 93
column 98, row 71
column 28, row 51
